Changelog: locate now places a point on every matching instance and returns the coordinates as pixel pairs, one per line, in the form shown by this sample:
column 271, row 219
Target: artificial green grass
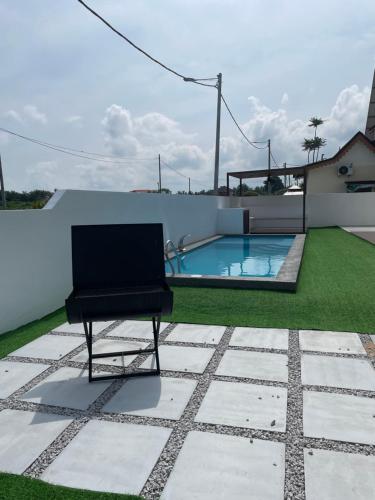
column 14, row 339
column 14, row 487
column 336, row 291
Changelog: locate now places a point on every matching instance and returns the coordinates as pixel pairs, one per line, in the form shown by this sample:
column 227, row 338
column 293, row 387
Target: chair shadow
column 144, row 393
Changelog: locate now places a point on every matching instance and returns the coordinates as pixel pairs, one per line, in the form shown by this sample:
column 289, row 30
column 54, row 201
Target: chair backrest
column 117, row 255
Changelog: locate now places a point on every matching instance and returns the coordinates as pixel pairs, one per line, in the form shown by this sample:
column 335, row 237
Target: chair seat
column 118, row 303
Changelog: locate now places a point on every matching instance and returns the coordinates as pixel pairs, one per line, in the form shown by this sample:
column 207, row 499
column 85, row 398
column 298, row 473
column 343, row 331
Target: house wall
column 324, row 179
column 35, row 263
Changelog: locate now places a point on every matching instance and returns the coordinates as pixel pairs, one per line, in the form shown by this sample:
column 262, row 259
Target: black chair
column 118, row 273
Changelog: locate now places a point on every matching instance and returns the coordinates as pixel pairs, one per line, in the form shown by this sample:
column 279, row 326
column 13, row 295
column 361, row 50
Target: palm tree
column 318, row 143
column 307, row 146
column 315, row 122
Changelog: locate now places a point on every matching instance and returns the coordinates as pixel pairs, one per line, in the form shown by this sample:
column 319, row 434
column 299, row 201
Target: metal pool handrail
column 168, row 244
column 180, row 245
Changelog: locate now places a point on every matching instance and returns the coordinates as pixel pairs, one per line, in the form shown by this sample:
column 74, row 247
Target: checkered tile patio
column 240, row 413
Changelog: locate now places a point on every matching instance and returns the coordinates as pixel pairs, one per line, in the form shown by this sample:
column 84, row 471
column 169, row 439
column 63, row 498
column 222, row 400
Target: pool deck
column 365, row 232
column 238, row 413
column 286, row 278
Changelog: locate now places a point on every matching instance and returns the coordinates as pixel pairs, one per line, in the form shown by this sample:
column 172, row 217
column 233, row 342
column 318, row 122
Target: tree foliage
column 316, row 143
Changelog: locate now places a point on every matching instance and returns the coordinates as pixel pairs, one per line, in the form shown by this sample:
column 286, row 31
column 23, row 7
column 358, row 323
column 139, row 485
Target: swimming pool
column 259, row 256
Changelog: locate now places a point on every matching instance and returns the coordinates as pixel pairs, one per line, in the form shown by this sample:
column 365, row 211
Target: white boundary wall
column 35, row 262
column 340, row 209
column 270, row 206
column 35, row 248
column 324, row 209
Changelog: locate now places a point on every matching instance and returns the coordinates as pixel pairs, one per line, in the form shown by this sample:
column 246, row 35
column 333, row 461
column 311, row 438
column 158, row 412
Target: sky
column 66, row 79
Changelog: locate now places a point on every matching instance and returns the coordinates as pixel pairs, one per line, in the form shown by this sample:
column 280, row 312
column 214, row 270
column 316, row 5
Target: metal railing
column 170, row 244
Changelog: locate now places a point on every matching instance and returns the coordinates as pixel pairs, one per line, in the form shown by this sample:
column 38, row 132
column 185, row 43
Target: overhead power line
column 198, row 81
column 76, row 152
column 181, row 174
column 252, row 143
column 174, row 170
column 274, row 161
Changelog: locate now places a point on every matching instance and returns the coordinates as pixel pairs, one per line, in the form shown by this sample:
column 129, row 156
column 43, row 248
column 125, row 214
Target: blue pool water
column 248, row 256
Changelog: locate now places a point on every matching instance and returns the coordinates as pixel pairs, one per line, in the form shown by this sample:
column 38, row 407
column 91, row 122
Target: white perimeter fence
column 35, row 253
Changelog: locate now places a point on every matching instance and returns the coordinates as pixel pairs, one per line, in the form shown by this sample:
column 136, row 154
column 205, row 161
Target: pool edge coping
column 286, row 279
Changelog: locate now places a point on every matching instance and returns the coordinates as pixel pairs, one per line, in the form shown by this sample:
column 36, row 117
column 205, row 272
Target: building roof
column 273, row 172
column 370, row 124
column 143, row 191
column 358, row 137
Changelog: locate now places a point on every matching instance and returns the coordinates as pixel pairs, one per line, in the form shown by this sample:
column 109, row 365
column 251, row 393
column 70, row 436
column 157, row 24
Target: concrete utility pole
column 159, row 174
column 217, row 145
column 2, row 187
column 269, row 167
column 189, row 186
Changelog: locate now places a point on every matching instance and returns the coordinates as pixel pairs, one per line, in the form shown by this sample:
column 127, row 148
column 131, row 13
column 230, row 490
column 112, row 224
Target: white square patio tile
column 181, row 359
column 244, row 405
column 339, row 342
column 256, row 365
column 14, row 375
column 97, row 327
column 119, row 459
column 136, row 329
column 338, row 372
column 67, row 387
column 260, row 338
column 158, row 397
column 49, row 347
column 213, row 466
column 106, row 345
column 24, row 435
column 339, row 417
column 332, row 475
column 200, row 334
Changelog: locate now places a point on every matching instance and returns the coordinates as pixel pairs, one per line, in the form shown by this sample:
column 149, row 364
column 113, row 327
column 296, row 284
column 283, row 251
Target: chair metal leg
column 156, row 330
column 88, row 333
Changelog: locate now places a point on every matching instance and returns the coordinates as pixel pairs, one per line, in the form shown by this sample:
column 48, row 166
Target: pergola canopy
column 272, row 172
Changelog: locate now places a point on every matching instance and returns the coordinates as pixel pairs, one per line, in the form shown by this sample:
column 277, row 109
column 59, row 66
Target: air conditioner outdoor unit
column 345, row 170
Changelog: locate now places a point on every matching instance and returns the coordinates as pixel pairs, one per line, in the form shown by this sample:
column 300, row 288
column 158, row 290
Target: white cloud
column 29, row 112
column 147, row 135
column 74, row 120
column 13, row 115
column 347, row 116
column 33, row 113
column 284, row 99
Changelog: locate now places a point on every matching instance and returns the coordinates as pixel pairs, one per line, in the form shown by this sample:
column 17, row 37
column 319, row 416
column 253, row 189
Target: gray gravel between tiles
column 369, row 346
column 293, row 438
column 294, row 488
column 159, row 475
